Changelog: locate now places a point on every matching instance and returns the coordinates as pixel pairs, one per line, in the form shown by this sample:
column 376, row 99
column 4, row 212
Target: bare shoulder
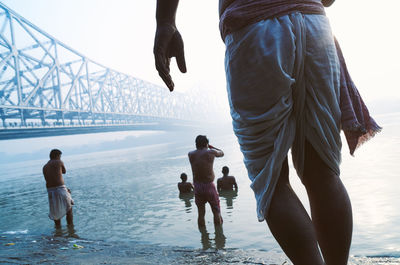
column 59, row 162
column 215, row 153
column 212, row 151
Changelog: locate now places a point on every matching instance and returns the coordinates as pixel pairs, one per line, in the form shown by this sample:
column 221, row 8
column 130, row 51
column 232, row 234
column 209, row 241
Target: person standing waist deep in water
column 226, row 183
column 283, row 82
column 202, row 161
column 185, row 186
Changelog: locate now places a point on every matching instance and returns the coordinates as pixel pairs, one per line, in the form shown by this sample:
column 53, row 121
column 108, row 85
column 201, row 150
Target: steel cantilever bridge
column 47, row 88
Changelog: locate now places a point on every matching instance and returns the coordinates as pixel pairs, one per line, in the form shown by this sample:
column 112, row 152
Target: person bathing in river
column 60, row 201
column 201, row 161
column 184, row 186
column 226, row 183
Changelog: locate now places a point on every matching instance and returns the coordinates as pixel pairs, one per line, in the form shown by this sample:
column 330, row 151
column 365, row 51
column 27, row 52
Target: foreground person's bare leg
column 291, row 225
column 330, row 208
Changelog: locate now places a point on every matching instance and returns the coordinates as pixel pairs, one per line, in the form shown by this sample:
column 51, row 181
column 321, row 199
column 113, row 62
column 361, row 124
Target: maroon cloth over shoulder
column 241, row 13
column 357, row 125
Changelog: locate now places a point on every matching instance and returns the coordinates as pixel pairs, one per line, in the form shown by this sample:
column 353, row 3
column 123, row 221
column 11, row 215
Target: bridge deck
column 18, row 133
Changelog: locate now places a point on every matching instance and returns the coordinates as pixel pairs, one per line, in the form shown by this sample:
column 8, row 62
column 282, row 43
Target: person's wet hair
column 201, row 141
column 183, row 177
column 225, row 170
column 55, row 153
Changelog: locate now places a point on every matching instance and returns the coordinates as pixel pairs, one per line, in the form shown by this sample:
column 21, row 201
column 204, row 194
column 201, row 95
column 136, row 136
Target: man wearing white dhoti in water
column 60, row 201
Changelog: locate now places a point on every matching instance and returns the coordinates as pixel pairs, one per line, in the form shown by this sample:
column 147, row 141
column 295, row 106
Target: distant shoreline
column 20, row 133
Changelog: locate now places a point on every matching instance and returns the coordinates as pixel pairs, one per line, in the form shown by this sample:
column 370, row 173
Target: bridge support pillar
column 42, row 118
column 60, row 116
column 3, row 118
column 93, row 118
column 79, row 118
column 23, row 119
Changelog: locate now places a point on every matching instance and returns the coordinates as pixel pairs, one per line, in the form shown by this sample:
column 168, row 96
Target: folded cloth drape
column 283, row 81
column 60, row 202
column 358, row 126
column 287, row 81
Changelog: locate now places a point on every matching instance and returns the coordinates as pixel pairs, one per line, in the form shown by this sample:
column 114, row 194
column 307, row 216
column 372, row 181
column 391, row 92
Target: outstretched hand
column 168, row 43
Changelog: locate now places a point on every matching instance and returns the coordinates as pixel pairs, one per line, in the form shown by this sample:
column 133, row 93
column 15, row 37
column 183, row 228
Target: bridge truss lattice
column 43, row 82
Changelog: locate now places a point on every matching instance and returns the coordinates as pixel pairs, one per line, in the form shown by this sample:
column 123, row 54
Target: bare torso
column 52, row 173
column 202, row 161
column 226, row 183
column 185, row 187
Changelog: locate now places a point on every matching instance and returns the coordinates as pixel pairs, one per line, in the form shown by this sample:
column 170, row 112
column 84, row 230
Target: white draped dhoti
column 60, row 202
column 283, row 79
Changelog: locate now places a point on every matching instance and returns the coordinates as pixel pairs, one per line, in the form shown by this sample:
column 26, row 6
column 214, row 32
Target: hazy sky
column 119, row 34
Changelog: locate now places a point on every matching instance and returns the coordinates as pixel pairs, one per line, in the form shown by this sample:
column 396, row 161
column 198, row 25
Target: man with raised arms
column 202, row 161
column 60, row 201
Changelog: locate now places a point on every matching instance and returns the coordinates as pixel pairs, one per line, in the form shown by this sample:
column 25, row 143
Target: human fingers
column 179, row 52
column 166, row 77
column 162, row 60
column 168, row 81
column 162, row 66
column 180, row 60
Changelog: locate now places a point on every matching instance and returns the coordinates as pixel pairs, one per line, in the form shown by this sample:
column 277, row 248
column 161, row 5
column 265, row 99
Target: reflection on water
column 130, row 195
column 69, row 231
column 218, row 242
column 187, row 198
column 229, row 196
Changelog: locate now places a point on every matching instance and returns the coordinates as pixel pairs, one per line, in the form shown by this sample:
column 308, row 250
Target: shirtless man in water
column 185, row 186
column 202, row 160
column 60, row 201
column 226, row 183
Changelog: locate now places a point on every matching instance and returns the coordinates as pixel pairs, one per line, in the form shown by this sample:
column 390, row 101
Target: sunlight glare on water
column 129, row 194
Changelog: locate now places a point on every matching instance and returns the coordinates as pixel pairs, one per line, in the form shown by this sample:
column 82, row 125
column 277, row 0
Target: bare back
column 226, row 183
column 185, row 187
column 202, row 161
column 52, row 173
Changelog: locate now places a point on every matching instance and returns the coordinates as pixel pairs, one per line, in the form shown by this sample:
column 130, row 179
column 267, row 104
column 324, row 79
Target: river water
column 128, row 209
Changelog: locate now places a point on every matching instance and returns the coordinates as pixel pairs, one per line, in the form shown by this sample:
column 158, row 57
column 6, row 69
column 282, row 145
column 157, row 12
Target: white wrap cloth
column 60, row 202
column 283, row 82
